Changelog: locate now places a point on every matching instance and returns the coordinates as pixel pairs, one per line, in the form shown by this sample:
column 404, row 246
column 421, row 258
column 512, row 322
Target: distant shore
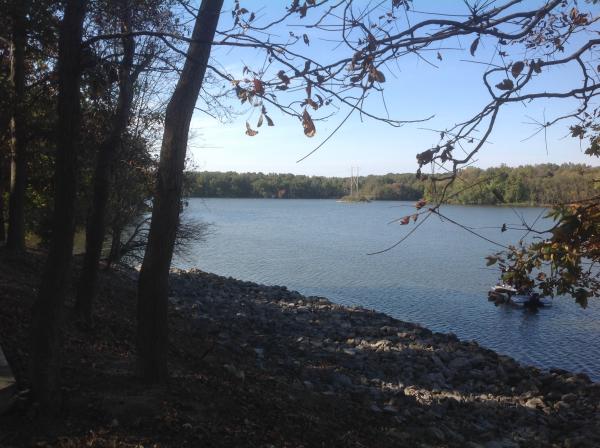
column 367, row 200
column 526, row 185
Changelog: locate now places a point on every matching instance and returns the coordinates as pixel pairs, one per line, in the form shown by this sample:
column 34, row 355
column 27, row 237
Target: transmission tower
column 353, row 180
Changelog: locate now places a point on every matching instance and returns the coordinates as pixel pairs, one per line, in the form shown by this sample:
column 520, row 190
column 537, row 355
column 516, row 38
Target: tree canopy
column 545, row 184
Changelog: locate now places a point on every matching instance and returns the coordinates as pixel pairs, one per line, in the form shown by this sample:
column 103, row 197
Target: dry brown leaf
column 517, row 68
column 259, row 88
column 312, row 103
column 376, row 75
column 249, row 131
column 307, row 123
column 284, row 78
column 507, row 84
column 474, row 46
column 303, row 10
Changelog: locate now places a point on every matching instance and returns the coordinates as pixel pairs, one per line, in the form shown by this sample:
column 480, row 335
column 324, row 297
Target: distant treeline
column 543, row 184
column 531, row 184
column 290, row 186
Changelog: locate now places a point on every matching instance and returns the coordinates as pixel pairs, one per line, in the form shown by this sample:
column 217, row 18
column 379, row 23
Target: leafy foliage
column 545, row 184
column 565, row 260
column 258, row 185
column 525, row 185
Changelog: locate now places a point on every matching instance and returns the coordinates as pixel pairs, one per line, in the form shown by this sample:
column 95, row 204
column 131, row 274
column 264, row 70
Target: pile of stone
column 456, row 391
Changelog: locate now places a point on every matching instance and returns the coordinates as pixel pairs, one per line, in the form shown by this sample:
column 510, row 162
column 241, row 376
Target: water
column 437, row 277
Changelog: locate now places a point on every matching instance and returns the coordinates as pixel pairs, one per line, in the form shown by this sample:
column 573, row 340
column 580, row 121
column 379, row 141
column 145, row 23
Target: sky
column 451, row 92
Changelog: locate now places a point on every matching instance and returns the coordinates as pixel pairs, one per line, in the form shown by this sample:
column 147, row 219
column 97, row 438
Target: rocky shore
column 434, row 387
column 260, row 366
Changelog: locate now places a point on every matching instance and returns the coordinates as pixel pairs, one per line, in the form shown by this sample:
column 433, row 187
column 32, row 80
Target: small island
column 354, row 198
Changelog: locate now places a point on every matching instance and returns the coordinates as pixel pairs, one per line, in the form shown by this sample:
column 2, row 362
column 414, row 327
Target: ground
column 255, row 366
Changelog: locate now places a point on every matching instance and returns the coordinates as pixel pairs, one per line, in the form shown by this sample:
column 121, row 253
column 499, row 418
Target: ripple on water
column 436, row 278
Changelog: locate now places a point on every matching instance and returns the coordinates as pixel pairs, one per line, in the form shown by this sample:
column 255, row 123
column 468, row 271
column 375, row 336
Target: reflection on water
column 437, row 277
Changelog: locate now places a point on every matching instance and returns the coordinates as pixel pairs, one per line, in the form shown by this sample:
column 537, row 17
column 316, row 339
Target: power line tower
column 353, row 180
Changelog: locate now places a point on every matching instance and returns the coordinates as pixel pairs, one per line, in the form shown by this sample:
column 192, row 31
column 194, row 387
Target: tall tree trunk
column 95, row 229
column 18, row 164
column 48, row 309
column 152, row 337
column 2, row 222
column 115, row 246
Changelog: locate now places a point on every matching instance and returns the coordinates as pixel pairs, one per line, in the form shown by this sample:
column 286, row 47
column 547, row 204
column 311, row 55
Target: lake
column 437, row 277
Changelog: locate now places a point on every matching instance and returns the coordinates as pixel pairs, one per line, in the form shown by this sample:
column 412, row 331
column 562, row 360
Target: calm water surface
column 437, row 277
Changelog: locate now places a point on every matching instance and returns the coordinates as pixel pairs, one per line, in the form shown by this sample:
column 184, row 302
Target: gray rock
column 535, row 403
column 459, row 363
column 375, row 408
column 437, row 433
column 410, row 373
column 391, row 409
column 504, row 443
column 341, row 380
column 562, row 406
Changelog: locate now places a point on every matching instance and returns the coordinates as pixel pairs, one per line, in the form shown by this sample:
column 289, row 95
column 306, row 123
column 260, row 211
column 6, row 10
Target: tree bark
column 48, row 308
column 115, row 246
column 152, row 334
column 18, row 161
column 2, row 223
column 95, row 228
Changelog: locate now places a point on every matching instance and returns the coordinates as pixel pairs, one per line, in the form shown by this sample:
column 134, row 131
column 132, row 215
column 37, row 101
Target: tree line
column 404, row 187
column 543, row 184
column 84, row 102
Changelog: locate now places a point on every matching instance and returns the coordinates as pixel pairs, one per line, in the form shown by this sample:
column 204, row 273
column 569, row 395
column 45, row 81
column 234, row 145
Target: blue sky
column 414, row 89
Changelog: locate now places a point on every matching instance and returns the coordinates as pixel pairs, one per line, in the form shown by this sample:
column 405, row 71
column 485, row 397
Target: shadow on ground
column 259, row 366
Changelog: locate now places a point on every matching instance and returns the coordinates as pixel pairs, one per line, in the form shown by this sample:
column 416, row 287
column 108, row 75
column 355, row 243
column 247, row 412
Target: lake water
column 437, row 277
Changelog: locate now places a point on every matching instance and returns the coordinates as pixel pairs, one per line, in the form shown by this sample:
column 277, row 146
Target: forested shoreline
column 543, row 184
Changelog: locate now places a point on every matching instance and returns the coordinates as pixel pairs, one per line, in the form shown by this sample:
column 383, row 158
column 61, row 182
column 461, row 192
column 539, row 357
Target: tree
column 28, row 48
column 529, row 42
column 152, row 340
column 48, row 309
column 564, row 261
column 95, row 230
column 371, row 39
column 18, row 180
column 299, row 83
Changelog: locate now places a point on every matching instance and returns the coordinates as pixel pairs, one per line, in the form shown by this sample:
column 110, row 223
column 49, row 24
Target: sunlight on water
column 437, row 277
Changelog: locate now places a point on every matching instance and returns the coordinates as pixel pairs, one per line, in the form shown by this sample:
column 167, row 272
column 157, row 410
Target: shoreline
column 337, row 199
column 391, row 364
column 272, row 289
column 255, row 365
